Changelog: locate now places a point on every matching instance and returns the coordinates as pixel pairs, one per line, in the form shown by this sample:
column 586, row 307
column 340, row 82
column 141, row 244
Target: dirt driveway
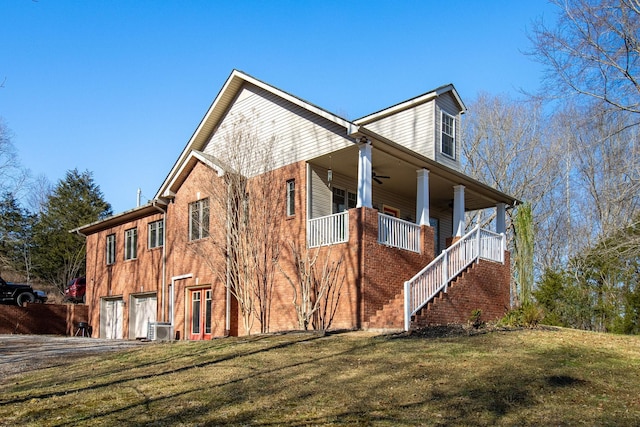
column 22, row 353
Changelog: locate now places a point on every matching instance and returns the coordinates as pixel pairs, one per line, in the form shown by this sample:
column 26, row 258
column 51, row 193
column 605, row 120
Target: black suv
column 19, row 293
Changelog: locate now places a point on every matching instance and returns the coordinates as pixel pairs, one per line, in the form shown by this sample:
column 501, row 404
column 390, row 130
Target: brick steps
column 419, row 319
column 483, row 286
column 391, row 315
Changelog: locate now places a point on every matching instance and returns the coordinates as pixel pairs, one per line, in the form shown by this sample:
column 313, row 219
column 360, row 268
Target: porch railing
column 328, row 230
column 436, row 276
column 398, row 233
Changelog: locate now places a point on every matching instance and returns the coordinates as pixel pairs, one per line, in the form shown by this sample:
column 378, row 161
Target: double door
column 200, row 314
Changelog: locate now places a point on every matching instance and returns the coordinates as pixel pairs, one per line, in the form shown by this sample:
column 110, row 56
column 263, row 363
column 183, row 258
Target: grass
column 525, row 377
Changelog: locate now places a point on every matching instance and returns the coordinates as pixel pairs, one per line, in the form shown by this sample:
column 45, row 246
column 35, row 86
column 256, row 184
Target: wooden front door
column 200, row 314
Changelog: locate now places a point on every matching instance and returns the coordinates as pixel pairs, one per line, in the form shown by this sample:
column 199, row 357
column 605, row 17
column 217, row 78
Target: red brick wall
column 373, row 274
column 386, row 269
column 484, row 286
column 123, row 278
column 42, row 319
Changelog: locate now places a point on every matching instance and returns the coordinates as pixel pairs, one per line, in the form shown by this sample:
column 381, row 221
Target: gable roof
column 218, row 109
column 411, row 103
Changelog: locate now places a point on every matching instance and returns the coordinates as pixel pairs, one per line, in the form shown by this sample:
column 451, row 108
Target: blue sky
column 118, row 87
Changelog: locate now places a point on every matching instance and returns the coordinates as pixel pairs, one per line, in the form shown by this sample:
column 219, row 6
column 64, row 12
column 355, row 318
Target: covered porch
column 407, row 190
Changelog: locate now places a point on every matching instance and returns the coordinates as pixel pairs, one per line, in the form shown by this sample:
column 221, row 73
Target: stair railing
column 435, row 277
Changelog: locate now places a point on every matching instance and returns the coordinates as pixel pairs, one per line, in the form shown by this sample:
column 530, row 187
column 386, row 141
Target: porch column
column 458, row 211
column 501, row 225
column 364, row 175
column 422, row 199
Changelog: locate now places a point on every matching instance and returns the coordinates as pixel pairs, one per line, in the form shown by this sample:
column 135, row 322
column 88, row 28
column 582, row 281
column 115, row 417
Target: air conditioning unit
column 160, row 331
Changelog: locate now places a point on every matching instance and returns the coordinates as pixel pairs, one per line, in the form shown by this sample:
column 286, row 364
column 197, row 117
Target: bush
column 528, row 315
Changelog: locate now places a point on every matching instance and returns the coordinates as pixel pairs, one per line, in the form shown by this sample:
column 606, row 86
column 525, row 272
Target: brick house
column 383, row 194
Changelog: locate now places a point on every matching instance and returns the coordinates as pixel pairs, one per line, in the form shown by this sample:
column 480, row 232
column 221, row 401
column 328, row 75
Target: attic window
column 448, row 135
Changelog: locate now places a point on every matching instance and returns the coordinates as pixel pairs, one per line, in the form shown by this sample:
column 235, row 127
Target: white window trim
column 347, row 193
column 157, row 232
column 111, row 249
column 291, row 197
column 444, row 114
column 203, row 231
column 131, row 244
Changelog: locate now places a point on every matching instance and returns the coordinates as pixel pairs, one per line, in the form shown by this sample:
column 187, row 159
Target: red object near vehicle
column 75, row 290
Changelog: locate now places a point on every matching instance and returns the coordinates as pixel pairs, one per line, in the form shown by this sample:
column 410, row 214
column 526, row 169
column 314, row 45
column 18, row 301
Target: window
column 199, row 219
column 291, row 197
column 343, row 200
column 111, row 249
column 156, row 234
column 352, row 200
column 130, row 243
column 447, row 135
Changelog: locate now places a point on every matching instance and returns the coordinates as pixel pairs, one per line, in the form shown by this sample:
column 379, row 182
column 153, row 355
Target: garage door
column 143, row 311
column 111, row 318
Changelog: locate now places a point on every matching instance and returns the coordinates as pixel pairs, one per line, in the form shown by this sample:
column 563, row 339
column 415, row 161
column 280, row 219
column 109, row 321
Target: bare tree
column 12, row 175
column 594, row 50
column 316, row 286
column 508, row 144
column 246, row 204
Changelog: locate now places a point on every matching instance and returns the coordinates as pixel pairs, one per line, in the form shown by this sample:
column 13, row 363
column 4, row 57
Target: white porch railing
column 328, row 230
column 436, row 276
column 398, row 233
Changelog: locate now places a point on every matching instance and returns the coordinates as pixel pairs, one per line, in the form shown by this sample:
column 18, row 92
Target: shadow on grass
column 472, row 380
column 167, row 372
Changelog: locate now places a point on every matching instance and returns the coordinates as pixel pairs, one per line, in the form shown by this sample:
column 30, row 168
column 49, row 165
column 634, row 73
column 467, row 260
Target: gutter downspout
column 164, row 257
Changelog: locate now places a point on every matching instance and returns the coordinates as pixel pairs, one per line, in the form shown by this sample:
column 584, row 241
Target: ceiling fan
column 377, row 178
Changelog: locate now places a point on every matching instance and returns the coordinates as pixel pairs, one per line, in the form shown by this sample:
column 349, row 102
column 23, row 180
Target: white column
column 422, row 199
column 364, row 175
column 501, row 225
column 458, row 211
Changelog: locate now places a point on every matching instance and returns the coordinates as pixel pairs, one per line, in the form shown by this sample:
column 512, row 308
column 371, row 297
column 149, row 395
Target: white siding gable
column 412, row 128
column 267, row 122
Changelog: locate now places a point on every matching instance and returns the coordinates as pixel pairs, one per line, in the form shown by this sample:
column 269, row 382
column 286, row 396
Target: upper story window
column 291, row 197
column 111, row 249
column 343, row 200
column 156, row 234
column 448, row 135
column 199, row 219
column 131, row 244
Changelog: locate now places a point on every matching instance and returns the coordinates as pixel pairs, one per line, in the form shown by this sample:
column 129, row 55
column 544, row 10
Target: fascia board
column 410, row 103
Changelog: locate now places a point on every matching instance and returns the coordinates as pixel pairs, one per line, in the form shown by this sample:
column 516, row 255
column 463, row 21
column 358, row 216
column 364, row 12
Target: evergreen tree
column 16, row 238
column 59, row 255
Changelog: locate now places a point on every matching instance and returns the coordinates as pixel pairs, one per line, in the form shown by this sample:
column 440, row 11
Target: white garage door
column 143, row 311
column 111, row 318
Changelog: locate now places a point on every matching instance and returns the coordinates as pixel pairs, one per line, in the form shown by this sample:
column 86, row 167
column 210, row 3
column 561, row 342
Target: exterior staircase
column 428, row 289
column 388, row 317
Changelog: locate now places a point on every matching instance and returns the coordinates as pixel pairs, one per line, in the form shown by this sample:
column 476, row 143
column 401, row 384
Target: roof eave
column 153, row 207
column 413, row 102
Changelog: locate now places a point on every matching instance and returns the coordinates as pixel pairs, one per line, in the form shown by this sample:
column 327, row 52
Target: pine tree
column 16, row 237
column 59, row 255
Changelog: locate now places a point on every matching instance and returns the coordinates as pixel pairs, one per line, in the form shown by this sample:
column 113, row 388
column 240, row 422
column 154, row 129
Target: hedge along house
column 380, row 200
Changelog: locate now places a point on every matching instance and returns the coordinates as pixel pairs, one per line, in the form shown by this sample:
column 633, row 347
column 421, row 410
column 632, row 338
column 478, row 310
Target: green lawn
column 526, row 377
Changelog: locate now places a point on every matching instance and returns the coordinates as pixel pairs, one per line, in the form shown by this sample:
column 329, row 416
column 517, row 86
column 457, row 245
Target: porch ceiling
column 402, row 179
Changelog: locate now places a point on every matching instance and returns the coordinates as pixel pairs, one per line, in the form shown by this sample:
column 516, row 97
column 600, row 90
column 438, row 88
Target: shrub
column 528, row 315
